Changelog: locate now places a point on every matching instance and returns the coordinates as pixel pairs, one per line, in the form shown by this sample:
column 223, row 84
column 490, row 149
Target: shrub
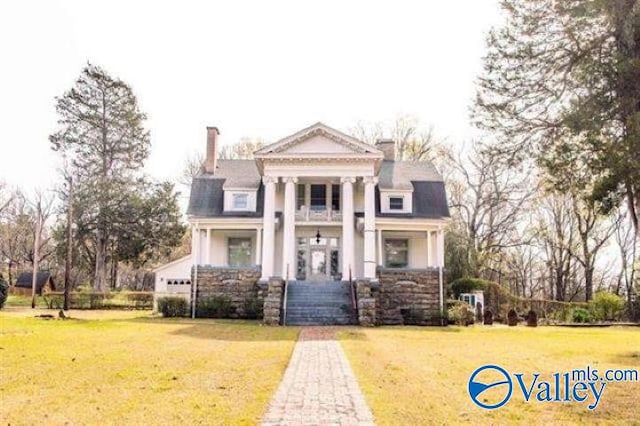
column 581, row 315
column 512, row 318
column 253, row 308
column 606, row 306
column 488, row 317
column 4, row 291
column 173, row 306
column 139, row 299
column 532, row 318
column 214, row 307
column 467, row 285
column 460, row 314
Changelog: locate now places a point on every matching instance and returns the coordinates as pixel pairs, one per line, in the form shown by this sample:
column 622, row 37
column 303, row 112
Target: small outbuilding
column 44, row 284
column 173, row 279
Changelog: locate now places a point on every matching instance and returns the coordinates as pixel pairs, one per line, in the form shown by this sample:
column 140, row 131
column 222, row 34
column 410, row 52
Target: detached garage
column 173, row 279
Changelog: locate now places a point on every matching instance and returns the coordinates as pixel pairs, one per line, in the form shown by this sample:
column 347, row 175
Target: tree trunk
column 560, row 285
column 588, row 283
column 68, row 263
column 100, row 278
column 36, row 254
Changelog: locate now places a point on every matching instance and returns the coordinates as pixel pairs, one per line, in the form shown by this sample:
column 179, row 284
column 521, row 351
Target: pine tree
column 102, row 131
column 561, row 84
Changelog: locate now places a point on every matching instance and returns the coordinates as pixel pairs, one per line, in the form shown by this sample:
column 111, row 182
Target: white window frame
column 236, row 197
column 408, row 252
column 230, row 197
column 407, row 201
column 229, row 240
column 396, row 197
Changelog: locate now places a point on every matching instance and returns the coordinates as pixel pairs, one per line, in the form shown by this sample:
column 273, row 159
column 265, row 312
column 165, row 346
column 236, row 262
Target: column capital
column 370, row 180
column 290, row 179
column 269, row 179
column 348, row 179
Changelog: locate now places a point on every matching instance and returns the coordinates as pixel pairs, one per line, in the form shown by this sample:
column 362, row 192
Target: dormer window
column 396, row 203
column 240, row 201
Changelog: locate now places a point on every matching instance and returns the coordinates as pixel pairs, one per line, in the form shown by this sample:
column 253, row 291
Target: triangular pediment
column 318, row 139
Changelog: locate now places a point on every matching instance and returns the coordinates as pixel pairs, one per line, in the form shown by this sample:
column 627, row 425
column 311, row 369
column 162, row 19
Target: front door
column 318, row 264
column 318, row 259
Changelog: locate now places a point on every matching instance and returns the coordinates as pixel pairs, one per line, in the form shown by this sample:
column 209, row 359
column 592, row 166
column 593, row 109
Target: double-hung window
column 240, row 201
column 239, row 252
column 396, row 253
column 396, row 203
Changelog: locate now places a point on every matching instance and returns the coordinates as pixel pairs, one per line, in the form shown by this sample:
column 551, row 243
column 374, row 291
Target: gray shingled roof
column 400, row 174
column 207, row 199
column 429, row 196
column 239, row 174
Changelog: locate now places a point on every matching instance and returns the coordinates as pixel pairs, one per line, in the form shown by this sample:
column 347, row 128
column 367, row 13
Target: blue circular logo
column 494, row 378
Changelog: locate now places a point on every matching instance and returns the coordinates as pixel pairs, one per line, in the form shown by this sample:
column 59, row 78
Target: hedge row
column 98, row 300
column 605, row 306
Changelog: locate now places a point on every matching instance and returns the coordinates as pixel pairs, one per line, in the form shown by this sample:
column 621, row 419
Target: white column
column 258, row 246
column 440, row 254
column 195, row 234
column 432, row 242
column 327, row 199
column 269, row 226
column 370, row 227
column 380, row 253
column 207, row 248
column 347, row 227
column 440, row 257
column 289, row 230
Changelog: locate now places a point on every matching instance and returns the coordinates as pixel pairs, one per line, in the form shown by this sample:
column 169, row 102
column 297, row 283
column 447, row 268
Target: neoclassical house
column 321, row 227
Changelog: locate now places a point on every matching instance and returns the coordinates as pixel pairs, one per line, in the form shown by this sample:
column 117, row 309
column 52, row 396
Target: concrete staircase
column 319, row 303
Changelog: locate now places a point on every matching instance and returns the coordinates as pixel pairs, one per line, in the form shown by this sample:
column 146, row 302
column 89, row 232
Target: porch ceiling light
column 318, row 236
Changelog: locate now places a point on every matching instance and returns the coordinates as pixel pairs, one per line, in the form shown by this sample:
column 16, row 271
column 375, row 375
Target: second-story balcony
column 305, row 214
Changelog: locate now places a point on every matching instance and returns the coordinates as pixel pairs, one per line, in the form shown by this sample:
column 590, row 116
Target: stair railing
column 354, row 303
column 284, row 298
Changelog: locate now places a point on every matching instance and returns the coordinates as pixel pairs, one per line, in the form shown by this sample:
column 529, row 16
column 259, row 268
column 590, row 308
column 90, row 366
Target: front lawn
column 116, row 367
column 419, row 375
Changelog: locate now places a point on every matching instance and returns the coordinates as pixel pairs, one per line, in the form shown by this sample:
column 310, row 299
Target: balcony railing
column 325, row 215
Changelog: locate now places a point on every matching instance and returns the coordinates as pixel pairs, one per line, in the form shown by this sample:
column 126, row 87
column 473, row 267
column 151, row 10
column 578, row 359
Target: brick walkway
column 318, row 387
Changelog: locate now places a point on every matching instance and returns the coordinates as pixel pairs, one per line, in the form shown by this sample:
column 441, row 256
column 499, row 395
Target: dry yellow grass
column 417, row 376
column 114, row 368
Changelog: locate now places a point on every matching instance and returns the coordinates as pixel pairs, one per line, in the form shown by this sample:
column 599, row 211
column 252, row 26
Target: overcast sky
column 252, row 68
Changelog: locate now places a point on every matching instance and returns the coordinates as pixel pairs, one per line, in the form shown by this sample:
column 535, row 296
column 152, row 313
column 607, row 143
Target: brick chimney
column 388, row 148
column 212, row 150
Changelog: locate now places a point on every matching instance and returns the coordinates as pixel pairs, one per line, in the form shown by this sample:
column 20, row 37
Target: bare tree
column 488, row 198
column 242, row 150
column 193, row 166
column 556, row 234
column 42, row 205
column 414, row 142
column 628, row 248
column 6, row 196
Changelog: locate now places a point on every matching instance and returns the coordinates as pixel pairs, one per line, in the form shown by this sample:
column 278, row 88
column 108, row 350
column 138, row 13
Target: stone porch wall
column 410, row 296
column 238, row 285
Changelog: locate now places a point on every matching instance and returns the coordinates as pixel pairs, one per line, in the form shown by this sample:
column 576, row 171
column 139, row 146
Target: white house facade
column 320, row 215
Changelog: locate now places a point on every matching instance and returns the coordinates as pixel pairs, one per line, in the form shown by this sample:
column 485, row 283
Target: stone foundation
column 238, row 285
column 409, row 296
column 273, row 301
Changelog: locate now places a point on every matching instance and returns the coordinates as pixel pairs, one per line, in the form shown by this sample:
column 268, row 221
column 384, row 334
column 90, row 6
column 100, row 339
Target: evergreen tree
column 102, row 132
column 561, row 84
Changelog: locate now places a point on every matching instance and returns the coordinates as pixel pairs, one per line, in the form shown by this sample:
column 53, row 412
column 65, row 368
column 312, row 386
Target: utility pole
column 68, row 260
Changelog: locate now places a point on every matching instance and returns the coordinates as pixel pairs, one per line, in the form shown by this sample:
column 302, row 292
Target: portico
column 336, row 209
